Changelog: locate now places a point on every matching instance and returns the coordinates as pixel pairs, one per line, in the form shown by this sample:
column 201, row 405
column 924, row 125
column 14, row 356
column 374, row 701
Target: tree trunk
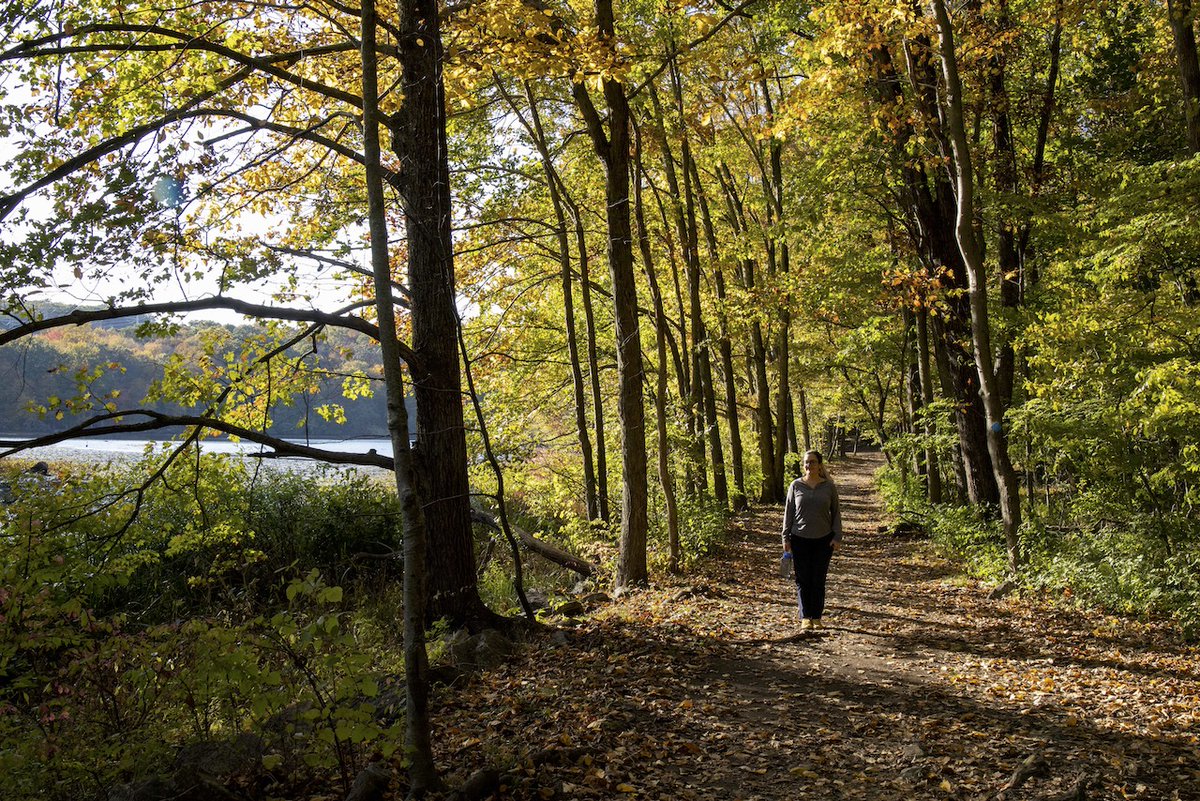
column 933, row 474
column 766, row 450
column 418, row 745
column 805, row 428
column 703, row 384
column 579, row 394
column 720, row 482
column 946, row 380
column 1004, row 177
column 660, row 395
column 419, row 141
column 933, row 213
column 613, row 150
column 684, row 221
column 783, row 337
column 757, row 360
column 972, row 252
column 589, row 318
column 1183, row 31
column 913, row 399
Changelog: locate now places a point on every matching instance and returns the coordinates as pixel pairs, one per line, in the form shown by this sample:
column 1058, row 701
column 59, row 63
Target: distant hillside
column 59, row 309
column 38, row 369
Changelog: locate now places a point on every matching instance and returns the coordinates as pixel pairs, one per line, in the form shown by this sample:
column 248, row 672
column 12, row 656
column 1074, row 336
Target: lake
column 120, row 450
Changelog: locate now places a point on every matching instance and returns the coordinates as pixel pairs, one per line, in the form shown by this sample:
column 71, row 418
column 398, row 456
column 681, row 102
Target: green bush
column 196, row 607
column 1104, row 547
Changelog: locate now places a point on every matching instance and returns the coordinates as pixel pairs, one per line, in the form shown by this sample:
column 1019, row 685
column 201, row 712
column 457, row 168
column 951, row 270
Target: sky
column 329, row 292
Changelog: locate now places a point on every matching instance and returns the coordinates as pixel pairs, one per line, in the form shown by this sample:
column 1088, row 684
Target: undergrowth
column 213, row 609
column 1137, row 568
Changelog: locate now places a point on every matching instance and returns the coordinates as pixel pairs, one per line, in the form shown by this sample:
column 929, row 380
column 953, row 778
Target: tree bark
column 553, row 181
column 1183, row 32
column 1004, row 177
column 758, row 351
column 685, row 235
column 720, row 481
column 932, row 213
column 972, row 252
column 805, row 428
column 418, row 744
column 773, row 185
column 613, row 150
column 933, row 473
column 419, row 141
column 665, row 477
column 733, row 419
column 589, row 319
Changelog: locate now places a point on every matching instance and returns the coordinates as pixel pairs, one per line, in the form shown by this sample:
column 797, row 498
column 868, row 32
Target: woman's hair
column 820, row 463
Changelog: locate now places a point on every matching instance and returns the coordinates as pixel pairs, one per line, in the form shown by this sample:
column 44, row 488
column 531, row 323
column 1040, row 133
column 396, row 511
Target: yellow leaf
column 625, row 788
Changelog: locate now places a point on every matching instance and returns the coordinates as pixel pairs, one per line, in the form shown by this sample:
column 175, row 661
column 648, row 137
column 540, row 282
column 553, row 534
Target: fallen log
column 540, row 547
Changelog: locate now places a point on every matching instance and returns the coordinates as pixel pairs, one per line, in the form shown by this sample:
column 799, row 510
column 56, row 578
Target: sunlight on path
column 703, row 688
column 921, row 687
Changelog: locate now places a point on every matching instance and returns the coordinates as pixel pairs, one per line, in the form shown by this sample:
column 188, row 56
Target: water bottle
column 785, row 565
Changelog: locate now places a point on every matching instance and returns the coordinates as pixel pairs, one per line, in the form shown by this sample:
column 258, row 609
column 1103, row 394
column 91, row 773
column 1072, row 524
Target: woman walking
column 812, row 529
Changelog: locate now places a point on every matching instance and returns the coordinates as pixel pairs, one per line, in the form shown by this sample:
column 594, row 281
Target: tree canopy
column 645, row 244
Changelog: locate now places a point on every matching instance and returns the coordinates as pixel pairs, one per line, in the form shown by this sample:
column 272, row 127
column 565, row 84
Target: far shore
column 99, row 453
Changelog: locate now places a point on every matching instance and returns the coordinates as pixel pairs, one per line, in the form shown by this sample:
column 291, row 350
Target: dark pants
column 810, row 558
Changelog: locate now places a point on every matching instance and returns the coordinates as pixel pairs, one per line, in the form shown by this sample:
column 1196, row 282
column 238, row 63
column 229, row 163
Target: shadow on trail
column 867, row 734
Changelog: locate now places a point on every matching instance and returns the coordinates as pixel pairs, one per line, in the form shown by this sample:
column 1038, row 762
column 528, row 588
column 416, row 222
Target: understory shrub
column 1098, row 550
column 197, row 608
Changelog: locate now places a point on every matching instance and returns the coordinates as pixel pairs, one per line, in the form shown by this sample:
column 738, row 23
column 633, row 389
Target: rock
column 446, row 675
column 570, row 609
column 537, row 599
column 159, row 788
column 155, row 788
column 595, row 599
column 460, row 649
column 480, row 785
column 372, row 784
column 907, row 528
column 583, row 587
column 1001, row 590
column 912, row 751
column 217, row 759
column 492, row 648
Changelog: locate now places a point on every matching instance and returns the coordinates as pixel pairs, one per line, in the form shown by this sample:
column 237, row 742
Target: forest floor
column 920, row 687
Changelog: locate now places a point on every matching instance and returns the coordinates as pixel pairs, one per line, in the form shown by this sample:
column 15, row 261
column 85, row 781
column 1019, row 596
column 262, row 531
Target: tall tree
column 257, row 83
column 418, row 744
column 972, row 253
column 612, row 145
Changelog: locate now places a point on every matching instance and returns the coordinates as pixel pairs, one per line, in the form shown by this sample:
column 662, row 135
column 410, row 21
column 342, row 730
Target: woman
column 812, row 529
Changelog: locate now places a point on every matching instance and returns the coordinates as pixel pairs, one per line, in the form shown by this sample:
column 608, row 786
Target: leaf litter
column 703, row 687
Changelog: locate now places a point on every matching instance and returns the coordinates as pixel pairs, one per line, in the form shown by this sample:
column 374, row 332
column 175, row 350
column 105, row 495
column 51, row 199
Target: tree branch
column 337, row 319
column 108, row 425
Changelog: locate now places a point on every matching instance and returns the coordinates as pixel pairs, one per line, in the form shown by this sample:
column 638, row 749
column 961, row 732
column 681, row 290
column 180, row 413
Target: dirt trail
column 920, row 687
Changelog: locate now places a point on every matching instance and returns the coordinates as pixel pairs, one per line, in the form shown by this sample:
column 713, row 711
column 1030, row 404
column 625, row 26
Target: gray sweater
column 812, row 512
